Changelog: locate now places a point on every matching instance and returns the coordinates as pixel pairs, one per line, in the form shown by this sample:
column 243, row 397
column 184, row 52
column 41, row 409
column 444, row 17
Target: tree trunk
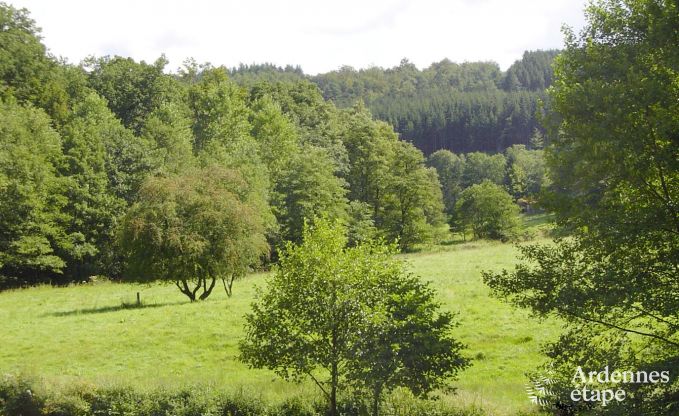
column 184, row 288
column 334, row 373
column 208, row 290
column 377, row 392
column 228, row 289
column 202, row 284
column 333, row 390
column 198, row 285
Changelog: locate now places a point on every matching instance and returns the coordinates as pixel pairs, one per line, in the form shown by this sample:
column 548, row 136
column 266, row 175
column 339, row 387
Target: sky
column 318, row 35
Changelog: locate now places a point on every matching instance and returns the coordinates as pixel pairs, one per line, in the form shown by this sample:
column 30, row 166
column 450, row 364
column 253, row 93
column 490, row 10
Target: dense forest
column 95, row 154
column 473, row 106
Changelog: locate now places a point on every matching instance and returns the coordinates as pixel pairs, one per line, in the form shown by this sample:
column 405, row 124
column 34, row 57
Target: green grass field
column 87, row 333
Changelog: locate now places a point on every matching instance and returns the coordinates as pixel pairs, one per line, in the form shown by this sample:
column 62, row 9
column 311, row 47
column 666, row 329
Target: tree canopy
column 467, row 107
column 113, row 124
column 32, row 196
column 615, row 171
column 192, row 230
column 489, row 210
column 350, row 317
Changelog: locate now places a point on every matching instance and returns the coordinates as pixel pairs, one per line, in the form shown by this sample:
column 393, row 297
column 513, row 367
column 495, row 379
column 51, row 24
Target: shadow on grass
column 113, row 308
column 537, row 219
column 453, row 242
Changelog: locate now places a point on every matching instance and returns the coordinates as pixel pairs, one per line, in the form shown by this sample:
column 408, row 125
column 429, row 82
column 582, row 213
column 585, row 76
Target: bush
column 20, row 397
column 294, row 407
column 182, row 403
column 66, row 405
column 403, row 403
column 112, row 401
column 240, row 405
column 17, row 397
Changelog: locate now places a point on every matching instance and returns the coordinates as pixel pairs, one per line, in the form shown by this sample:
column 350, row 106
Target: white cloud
column 318, row 35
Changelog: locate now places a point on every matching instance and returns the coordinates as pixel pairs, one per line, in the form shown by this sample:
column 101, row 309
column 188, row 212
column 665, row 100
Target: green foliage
column 33, row 224
column 533, row 72
column 254, row 74
column 481, row 167
column 220, row 116
column 413, row 205
column 93, row 204
column 168, row 130
column 27, row 73
column 306, row 189
column 464, row 107
column 613, row 160
column 276, row 135
column 406, row 342
column 349, row 316
column 489, row 210
column 25, row 397
column 309, row 314
column 487, row 121
column 390, row 176
column 537, row 140
column 16, row 397
column 370, row 147
column 360, row 224
column 316, row 120
column 200, row 227
column 132, row 89
column 450, row 168
column 221, row 132
column 527, row 173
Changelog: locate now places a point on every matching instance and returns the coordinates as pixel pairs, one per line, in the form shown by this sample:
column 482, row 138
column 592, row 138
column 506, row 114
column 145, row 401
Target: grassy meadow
column 92, row 333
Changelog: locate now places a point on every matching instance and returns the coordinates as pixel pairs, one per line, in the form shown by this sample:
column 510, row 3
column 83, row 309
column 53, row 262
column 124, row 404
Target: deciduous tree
column 450, row 168
column 33, row 234
column 192, row 230
column 479, row 167
column 307, row 188
column 349, row 317
column 489, row 210
column 613, row 160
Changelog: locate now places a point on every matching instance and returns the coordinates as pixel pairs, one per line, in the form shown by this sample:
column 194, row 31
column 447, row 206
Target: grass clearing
column 93, row 333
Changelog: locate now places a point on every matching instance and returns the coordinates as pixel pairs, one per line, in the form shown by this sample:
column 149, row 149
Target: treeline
column 93, row 154
column 467, row 107
column 461, row 107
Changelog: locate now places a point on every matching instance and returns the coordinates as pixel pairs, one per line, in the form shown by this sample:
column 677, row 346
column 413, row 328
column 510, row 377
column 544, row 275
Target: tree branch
column 208, row 290
column 673, row 325
column 610, row 325
column 195, row 290
column 320, row 386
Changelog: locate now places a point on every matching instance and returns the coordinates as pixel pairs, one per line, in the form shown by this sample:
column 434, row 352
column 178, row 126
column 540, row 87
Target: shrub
column 240, row 405
column 20, row 397
column 17, row 397
column 66, row 405
column 294, row 407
